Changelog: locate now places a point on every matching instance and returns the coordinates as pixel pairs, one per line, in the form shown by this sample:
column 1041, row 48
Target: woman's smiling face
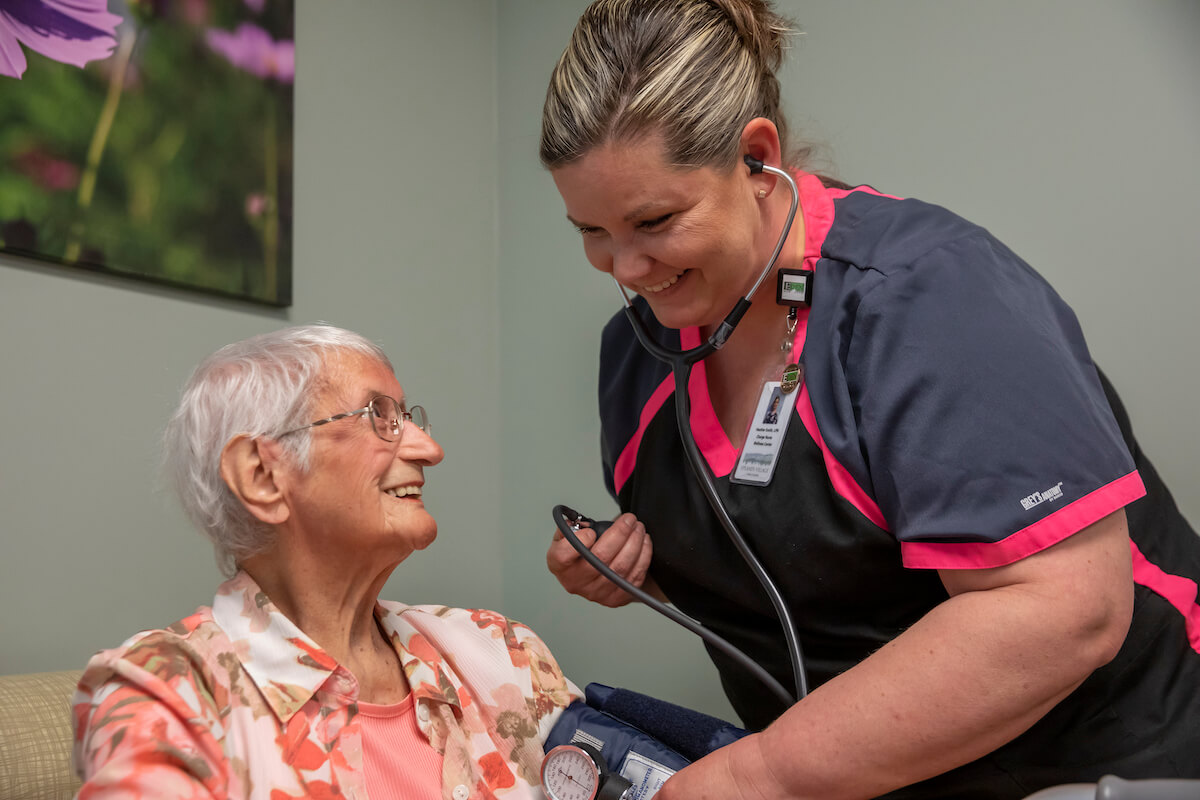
column 361, row 491
column 688, row 240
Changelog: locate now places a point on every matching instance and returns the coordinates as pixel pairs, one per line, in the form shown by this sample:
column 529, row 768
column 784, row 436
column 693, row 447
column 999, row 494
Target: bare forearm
column 929, row 701
column 884, row 724
column 970, row 676
column 973, row 673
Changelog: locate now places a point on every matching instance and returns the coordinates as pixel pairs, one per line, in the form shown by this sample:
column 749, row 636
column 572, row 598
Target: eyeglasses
column 386, row 415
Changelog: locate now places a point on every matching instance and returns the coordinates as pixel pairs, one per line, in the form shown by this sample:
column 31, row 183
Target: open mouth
column 667, row 284
column 404, row 491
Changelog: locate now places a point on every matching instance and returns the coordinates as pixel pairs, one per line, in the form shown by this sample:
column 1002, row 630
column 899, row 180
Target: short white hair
column 261, row 386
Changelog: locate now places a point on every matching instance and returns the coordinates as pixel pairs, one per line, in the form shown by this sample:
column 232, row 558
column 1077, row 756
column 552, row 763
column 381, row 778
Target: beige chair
column 35, row 736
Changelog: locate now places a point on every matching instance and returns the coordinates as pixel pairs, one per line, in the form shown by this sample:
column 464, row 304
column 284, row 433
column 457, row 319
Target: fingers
column 625, row 548
column 562, row 555
column 628, row 553
column 616, row 538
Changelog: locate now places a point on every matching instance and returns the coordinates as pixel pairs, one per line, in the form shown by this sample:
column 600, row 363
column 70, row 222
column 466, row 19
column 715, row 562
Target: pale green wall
column 1068, row 128
column 395, row 222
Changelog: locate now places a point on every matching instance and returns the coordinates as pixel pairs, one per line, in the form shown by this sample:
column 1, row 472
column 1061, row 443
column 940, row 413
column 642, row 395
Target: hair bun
column 764, row 32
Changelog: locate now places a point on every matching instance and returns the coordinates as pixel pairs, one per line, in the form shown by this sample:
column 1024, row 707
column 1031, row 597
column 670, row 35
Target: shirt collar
column 288, row 667
column 422, row 661
column 285, row 665
column 816, row 207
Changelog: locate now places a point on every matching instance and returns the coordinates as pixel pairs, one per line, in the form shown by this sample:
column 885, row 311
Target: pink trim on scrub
column 628, row 458
column 843, row 482
column 718, row 451
column 1178, row 591
column 1068, row 520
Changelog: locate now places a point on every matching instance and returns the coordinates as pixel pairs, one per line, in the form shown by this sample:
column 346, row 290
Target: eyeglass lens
column 387, row 418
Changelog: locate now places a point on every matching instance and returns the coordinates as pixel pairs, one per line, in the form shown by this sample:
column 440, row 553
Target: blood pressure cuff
column 645, row 739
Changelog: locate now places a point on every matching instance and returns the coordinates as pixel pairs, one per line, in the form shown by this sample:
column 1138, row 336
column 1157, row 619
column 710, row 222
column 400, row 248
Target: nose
column 419, row 447
column 630, row 265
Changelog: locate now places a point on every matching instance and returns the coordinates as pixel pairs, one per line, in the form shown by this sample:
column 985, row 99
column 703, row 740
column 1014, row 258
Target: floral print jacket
column 235, row 701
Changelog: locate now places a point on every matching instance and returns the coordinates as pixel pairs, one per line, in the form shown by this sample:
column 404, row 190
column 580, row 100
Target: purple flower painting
column 71, row 31
column 252, row 49
column 150, row 139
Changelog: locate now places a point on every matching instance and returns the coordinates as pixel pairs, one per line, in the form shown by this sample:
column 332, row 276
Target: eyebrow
column 640, row 211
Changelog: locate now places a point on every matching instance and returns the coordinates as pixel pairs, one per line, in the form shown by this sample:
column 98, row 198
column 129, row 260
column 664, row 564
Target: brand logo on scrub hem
column 1046, row 495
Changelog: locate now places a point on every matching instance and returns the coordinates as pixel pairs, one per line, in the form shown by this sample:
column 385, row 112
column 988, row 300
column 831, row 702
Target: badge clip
column 794, row 287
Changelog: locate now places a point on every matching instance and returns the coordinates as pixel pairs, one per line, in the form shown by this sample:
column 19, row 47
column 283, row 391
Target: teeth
column 658, row 287
column 404, row 491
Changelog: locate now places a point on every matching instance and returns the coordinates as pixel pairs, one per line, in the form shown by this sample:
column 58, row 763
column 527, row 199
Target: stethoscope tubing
column 561, row 514
column 681, row 362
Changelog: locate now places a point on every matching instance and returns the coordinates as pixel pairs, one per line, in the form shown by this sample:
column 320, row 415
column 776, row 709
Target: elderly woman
column 297, row 453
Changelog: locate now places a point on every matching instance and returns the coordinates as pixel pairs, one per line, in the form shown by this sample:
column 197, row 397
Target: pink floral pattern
column 235, row 701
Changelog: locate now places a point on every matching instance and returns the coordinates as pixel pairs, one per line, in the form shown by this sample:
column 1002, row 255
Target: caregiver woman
column 989, row 580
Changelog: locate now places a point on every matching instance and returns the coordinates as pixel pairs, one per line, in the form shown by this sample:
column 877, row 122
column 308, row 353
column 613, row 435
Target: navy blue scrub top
column 951, row 418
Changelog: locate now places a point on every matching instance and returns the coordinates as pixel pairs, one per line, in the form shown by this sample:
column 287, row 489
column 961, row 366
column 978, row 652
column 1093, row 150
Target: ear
column 251, row 468
column 760, row 140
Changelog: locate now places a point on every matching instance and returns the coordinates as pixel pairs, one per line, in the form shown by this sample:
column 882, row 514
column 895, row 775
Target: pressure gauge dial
column 577, row 772
column 570, row 773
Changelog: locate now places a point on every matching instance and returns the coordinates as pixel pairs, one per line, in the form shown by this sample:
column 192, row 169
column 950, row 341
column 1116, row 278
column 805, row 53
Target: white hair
column 261, row 386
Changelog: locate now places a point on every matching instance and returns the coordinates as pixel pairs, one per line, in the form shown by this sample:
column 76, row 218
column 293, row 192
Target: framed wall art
column 151, row 139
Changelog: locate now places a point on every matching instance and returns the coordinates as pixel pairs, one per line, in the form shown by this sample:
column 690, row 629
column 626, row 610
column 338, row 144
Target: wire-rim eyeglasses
column 387, row 418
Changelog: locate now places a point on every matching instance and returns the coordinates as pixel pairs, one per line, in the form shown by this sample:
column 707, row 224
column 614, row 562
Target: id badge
column 768, row 427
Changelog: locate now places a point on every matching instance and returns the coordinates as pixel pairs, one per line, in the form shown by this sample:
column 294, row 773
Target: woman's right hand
column 625, row 548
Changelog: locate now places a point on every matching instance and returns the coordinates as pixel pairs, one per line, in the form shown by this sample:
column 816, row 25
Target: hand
column 625, row 548
column 735, row 772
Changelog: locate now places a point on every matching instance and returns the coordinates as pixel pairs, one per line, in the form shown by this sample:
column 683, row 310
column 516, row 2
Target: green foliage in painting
column 169, row 160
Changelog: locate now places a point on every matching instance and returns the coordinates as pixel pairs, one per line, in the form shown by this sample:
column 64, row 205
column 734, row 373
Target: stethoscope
column 681, row 363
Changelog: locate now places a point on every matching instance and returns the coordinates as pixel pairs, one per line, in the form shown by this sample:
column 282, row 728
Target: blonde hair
column 692, row 71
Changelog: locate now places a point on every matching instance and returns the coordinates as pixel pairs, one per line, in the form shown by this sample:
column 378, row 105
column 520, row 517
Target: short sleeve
column 985, row 431
column 135, row 737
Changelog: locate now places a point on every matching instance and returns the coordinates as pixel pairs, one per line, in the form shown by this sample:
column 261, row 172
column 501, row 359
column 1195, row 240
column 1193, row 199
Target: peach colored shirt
column 236, row 701
column 397, row 759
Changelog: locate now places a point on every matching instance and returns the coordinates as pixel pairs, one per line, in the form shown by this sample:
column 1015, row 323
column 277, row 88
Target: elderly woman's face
column 688, row 240
column 362, row 494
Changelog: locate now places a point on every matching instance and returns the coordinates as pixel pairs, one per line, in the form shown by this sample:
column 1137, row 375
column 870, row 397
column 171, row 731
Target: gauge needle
column 568, row 776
